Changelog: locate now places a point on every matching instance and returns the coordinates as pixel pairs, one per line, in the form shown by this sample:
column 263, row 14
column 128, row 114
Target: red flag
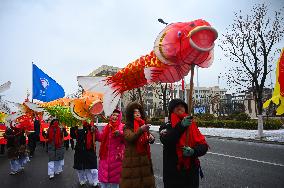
column 281, row 73
column 182, row 84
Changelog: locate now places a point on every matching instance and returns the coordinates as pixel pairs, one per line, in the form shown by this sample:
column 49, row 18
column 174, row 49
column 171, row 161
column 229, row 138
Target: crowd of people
column 124, row 154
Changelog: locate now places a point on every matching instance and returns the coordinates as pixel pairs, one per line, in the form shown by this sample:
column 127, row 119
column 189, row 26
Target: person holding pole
column 182, row 145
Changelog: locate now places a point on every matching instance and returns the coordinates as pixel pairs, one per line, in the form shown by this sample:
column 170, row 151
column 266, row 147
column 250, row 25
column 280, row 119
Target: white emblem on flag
column 44, row 83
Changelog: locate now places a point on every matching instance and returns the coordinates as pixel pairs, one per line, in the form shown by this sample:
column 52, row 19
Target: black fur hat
column 174, row 102
column 129, row 112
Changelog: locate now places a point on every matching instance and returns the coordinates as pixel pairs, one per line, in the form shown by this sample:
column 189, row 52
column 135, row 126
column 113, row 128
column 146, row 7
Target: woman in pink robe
column 111, row 151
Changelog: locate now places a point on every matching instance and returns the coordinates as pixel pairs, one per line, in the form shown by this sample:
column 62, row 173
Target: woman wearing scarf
column 137, row 168
column 111, row 152
column 85, row 158
column 16, row 148
column 55, row 135
column 181, row 166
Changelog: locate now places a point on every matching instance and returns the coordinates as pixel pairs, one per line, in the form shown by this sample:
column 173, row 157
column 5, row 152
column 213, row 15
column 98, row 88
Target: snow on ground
column 270, row 135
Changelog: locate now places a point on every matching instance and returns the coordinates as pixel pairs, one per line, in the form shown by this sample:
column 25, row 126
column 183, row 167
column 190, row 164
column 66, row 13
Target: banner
column 44, row 87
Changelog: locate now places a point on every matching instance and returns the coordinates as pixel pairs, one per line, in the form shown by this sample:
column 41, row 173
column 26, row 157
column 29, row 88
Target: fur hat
column 129, row 112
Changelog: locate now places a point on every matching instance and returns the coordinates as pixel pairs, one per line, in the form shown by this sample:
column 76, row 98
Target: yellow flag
column 278, row 96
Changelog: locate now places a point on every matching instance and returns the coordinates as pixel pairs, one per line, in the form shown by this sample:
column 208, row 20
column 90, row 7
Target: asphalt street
column 228, row 163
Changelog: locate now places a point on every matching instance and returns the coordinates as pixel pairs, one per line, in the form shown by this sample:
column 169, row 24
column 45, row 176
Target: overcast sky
column 67, row 38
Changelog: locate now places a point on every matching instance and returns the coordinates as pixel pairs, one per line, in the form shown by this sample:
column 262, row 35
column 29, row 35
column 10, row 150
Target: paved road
column 227, row 164
column 235, row 164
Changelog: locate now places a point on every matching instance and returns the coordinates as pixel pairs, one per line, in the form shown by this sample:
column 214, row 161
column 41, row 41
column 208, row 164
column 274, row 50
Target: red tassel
column 182, row 84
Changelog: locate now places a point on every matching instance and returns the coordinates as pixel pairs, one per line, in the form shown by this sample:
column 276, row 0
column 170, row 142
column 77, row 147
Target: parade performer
column 3, row 141
column 33, row 137
column 137, row 170
column 85, row 158
column 111, row 152
column 16, row 148
column 181, row 165
column 55, row 135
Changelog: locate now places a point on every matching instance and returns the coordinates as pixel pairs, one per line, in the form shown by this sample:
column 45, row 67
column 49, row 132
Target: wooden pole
column 190, row 101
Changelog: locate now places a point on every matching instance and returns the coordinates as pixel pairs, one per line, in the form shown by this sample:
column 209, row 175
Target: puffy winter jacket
column 110, row 167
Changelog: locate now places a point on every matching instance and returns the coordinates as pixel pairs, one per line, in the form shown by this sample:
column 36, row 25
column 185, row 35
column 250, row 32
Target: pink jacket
column 110, row 168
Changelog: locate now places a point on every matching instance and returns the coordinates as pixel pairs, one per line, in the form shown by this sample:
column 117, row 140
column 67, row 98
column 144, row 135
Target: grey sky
column 68, row 38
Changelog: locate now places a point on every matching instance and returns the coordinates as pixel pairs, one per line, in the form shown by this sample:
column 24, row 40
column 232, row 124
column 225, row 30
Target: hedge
column 233, row 124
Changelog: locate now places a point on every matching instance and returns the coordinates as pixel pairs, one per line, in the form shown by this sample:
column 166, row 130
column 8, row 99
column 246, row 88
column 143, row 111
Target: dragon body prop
column 179, row 47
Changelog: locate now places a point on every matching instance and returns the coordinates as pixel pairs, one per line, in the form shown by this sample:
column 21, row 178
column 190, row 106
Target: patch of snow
column 270, row 135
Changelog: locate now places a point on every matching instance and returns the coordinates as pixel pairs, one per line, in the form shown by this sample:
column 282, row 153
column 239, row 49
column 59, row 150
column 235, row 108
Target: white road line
column 242, row 158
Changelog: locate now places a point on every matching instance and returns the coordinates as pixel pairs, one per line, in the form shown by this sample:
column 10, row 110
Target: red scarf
column 111, row 126
column 195, row 137
column 58, row 139
column 142, row 144
column 89, row 136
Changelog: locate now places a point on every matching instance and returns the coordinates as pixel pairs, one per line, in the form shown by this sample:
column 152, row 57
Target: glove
column 186, row 122
column 187, row 151
column 145, row 127
column 151, row 139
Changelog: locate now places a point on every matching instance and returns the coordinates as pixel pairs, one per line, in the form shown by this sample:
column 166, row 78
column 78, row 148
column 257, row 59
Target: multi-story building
column 205, row 95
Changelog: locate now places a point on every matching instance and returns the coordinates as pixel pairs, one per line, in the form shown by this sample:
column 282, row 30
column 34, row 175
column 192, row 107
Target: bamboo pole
column 190, row 101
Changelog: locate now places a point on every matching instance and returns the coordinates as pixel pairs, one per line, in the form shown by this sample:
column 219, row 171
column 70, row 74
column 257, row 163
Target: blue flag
column 44, row 87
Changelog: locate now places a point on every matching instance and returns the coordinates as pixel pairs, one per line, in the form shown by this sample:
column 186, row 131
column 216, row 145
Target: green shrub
column 233, row 124
column 205, row 117
column 239, row 116
column 269, row 124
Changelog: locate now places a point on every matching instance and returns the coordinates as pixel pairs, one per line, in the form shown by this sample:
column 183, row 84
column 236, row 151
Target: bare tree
column 251, row 45
column 76, row 94
column 163, row 93
column 132, row 95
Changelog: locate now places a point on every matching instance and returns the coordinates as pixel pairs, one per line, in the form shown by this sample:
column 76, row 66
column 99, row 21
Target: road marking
column 243, row 158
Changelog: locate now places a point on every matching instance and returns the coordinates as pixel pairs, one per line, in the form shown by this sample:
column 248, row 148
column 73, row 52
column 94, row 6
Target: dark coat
column 16, row 144
column 172, row 176
column 83, row 158
column 137, row 171
column 37, row 130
